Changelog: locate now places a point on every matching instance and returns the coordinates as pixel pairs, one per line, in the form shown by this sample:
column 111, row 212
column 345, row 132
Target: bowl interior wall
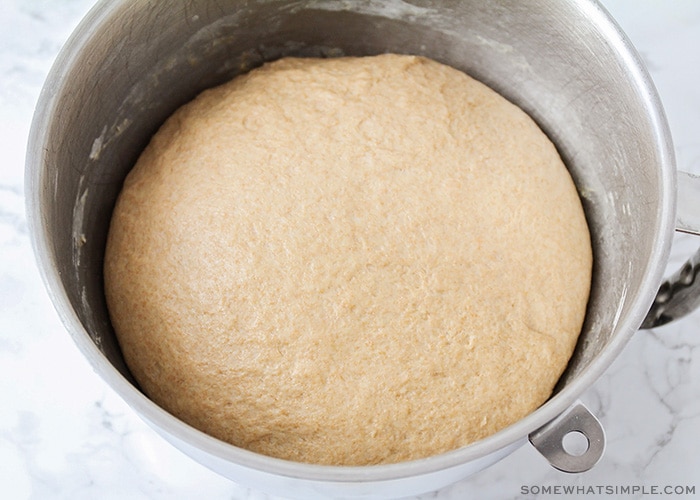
column 147, row 59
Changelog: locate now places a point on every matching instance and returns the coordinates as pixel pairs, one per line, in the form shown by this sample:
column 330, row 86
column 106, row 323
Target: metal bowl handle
column 550, row 440
column 680, row 294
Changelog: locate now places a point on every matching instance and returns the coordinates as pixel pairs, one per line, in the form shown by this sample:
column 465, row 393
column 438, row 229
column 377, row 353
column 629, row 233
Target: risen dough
column 348, row 261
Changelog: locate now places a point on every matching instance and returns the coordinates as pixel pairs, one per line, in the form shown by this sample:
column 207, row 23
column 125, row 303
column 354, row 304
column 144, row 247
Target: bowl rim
column 35, row 170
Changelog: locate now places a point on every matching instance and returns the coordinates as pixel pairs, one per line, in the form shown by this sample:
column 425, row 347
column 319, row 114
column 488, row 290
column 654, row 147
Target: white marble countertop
column 65, row 434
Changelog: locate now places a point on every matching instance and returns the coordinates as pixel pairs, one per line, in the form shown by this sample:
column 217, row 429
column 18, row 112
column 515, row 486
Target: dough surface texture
column 348, row 261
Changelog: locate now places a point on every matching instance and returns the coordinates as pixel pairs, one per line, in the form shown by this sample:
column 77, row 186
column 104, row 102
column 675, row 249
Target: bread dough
column 348, row 261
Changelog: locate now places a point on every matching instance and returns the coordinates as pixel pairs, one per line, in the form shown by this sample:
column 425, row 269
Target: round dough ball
column 349, row 261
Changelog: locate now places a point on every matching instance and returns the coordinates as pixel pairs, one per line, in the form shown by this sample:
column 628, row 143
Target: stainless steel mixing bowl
column 130, row 63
